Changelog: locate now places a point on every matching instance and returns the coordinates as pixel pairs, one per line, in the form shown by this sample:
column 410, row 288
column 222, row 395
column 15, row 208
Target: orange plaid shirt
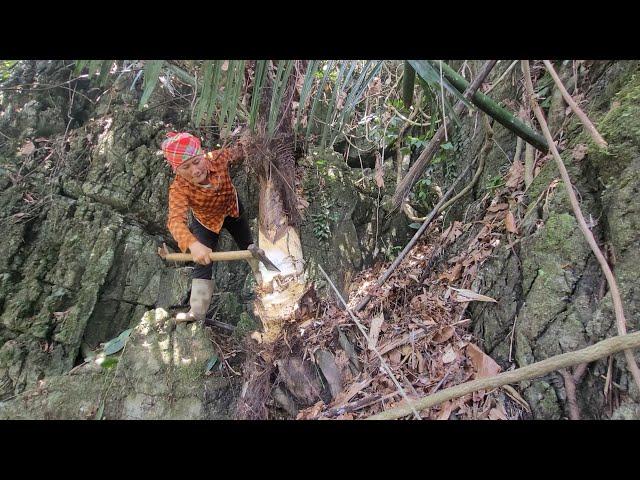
column 210, row 204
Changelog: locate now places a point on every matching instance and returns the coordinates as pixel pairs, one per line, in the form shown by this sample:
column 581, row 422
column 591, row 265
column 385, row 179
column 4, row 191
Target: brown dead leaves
column 374, row 332
column 27, row 149
column 515, row 176
column 485, row 365
column 416, row 320
column 451, row 233
column 510, row 223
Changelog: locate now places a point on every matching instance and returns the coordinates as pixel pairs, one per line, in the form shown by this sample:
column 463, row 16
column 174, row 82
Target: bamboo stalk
column 590, row 127
column 597, row 351
column 408, row 80
column 491, row 108
column 621, row 323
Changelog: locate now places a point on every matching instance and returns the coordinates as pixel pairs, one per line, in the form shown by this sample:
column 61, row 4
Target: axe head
column 258, row 253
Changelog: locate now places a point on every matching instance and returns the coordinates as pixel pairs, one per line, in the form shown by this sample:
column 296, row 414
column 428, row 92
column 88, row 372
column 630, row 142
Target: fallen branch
column 413, row 240
column 621, row 323
column 423, row 161
column 506, row 72
column 491, row 108
column 353, row 406
column 591, row 129
column 383, row 363
column 597, row 351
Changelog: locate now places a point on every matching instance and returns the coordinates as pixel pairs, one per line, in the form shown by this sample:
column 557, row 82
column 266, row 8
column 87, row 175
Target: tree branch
column 589, row 354
column 595, row 135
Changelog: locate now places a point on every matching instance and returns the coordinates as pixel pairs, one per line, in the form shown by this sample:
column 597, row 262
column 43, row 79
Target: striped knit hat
column 179, row 147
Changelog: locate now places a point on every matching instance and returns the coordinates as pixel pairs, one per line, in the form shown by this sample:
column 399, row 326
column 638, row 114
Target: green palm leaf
column 104, row 71
column 279, row 87
column 94, row 66
column 80, row 64
column 205, row 94
column 232, row 88
column 369, row 71
column 328, row 69
column 431, row 75
column 336, row 121
column 238, row 83
column 306, row 90
column 256, row 94
column 152, row 70
column 214, row 90
column 331, row 107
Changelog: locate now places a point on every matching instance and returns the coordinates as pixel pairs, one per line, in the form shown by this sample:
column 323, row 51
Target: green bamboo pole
column 408, row 80
column 491, row 108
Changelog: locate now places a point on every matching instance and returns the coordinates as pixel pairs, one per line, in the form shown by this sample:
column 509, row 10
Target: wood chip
column 374, row 332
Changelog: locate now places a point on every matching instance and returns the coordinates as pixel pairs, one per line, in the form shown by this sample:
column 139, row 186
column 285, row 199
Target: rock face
column 83, row 204
column 160, row 374
column 83, row 213
column 346, row 225
column 549, row 283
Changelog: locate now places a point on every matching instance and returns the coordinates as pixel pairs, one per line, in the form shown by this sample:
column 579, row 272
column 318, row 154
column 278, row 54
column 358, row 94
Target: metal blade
column 260, row 255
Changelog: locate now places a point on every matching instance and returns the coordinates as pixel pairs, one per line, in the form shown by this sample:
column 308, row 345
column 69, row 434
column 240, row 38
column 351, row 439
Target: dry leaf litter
column 417, row 322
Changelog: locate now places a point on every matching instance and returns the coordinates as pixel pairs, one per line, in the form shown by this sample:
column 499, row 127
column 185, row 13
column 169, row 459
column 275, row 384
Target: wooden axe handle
column 215, row 256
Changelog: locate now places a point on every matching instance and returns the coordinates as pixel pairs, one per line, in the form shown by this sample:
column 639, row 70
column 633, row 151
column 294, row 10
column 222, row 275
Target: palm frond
column 237, row 81
column 105, row 68
column 333, row 103
column 279, row 86
column 431, row 76
column 214, row 90
column 306, row 90
column 152, row 70
column 369, row 71
column 256, row 94
column 80, row 64
column 94, row 66
column 328, row 68
column 206, row 93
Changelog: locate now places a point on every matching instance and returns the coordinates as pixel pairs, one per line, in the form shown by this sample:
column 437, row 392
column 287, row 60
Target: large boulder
column 163, row 372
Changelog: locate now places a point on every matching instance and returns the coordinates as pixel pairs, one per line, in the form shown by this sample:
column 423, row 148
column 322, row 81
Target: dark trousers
column 237, row 227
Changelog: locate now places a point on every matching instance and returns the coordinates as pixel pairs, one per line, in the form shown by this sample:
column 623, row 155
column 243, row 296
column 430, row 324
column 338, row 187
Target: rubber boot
column 201, row 292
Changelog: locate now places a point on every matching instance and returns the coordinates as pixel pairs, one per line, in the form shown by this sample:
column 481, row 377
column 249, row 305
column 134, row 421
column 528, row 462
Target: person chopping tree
column 203, row 185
